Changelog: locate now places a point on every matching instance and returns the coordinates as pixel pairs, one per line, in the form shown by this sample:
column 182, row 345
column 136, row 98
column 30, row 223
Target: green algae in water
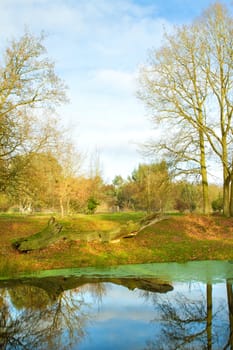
column 205, row 271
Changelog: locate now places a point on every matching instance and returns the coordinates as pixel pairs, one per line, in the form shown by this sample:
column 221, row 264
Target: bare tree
column 187, row 86
column 216, row 32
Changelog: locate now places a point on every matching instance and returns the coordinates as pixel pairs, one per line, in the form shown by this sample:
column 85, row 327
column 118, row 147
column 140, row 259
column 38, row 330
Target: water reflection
column 29, row 319
column 195, row 319
column 52, row 313
column 118, row 313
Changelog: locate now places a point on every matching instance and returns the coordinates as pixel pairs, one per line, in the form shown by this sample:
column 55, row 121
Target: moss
column 41, row 239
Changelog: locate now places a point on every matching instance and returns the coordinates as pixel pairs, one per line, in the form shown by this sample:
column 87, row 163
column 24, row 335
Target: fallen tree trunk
column 41, row 239
column 131, row 229
column 124, row 231
column 51, row 233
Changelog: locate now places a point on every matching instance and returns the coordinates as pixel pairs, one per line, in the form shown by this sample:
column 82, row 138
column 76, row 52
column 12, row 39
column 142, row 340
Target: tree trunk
column 209, row 316
column 226, row 194
column 68, row 206
column 61, row 207
column 41, row 239
column 226, row 174
column 231, row 195
column 204, row 179
column 230, row 310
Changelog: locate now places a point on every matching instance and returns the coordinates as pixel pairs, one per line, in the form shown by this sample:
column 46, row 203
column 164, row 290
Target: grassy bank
column 178, row 238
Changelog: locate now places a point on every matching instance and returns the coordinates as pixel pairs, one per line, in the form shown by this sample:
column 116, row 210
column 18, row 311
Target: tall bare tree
column 188, row 87
column 173, row 87
column 216, row 32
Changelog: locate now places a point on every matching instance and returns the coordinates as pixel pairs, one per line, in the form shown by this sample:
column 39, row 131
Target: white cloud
column 114, row 79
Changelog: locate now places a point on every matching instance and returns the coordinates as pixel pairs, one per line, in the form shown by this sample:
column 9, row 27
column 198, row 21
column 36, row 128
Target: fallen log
column 41, row 239
column 125, row 231
column 131, row 229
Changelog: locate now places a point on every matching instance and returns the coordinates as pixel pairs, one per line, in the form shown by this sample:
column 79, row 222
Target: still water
column 152, row 306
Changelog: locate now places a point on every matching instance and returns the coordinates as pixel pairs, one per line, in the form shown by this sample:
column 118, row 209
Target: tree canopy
column 30, row 91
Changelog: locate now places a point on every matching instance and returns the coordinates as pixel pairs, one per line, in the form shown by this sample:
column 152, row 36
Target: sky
column 98, row 47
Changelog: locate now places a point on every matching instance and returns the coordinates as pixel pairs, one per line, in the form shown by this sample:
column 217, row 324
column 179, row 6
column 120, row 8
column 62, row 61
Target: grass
column 178, row 238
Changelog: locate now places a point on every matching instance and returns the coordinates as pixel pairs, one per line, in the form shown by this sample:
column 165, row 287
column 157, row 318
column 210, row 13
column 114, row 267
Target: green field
column 177, row 238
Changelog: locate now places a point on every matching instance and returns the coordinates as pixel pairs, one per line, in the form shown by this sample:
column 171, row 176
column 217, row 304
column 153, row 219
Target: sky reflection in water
column 121, row 313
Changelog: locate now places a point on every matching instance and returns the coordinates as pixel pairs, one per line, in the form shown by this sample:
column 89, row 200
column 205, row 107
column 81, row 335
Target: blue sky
column 98, row 46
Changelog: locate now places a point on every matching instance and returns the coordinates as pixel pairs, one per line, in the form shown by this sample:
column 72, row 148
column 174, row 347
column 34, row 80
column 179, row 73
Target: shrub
column 217, row 204
column 92, row 204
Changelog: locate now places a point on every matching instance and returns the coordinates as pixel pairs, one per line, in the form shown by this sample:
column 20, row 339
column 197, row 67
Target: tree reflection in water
column 229, row 345
column 54, row 313
column 51, row 313
column 191, row 323
column 29, row 319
